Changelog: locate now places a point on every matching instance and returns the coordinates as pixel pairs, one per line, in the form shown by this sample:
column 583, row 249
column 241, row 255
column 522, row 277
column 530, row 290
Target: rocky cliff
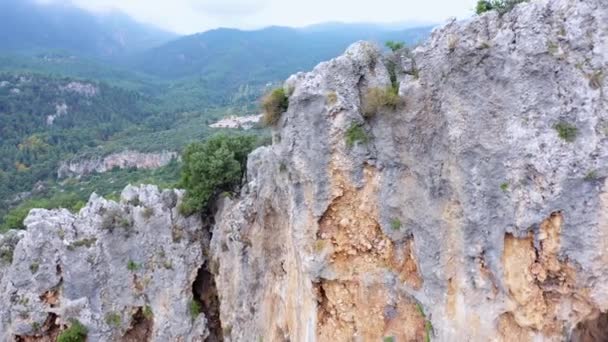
column 472, row 210
column 122, row 160
column 476, row 211
column 129, row 271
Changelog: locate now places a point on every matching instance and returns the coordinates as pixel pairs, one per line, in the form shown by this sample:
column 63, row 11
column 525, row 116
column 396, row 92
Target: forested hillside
column 46, row 119
column 229, row 62
column 79, row 85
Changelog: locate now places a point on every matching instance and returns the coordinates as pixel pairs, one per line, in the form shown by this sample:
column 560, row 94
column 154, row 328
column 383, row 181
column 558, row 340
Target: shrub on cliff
column 394, row 46
column 274, row 104
column 377, row 99
column 212, row 167
column 75, row 333
column 501, row 6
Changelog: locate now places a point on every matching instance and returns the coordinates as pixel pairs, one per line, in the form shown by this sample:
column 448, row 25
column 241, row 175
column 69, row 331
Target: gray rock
column 467, row 172
column 102, row 265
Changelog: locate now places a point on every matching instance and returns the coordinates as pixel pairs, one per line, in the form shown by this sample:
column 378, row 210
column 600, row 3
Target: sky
column 190, row 16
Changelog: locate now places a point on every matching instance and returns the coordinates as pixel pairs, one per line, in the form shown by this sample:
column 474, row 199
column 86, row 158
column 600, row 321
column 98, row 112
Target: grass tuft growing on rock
column 147, row 312
column 274, row 104
column 75, row 333
column 132, row 266
column 194, row 308
column 566, row 131
column 500, row 6
column 377, row 99
column 113, row 319
column 356, row 134
column 395, row 224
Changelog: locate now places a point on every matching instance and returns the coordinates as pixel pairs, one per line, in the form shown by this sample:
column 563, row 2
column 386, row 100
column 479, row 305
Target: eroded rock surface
column 123, row 160
column 124, row 270
column 465, row 217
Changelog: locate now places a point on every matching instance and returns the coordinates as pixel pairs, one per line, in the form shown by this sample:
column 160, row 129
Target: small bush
column 34, row 267
column 504, row 187
column 566, row 131
column 273, row 105
column 132, row 266
column 6, row 255
column 147, row 213
column 394, row 46
column 395, row 224
column 194, row 308
column 501, row 6
column 354, row 134
column 388, row 339
column 147, row 312
column 377, row 99
column 113, row 319
column 84, row 243
column 75, row 333
column 591, row 176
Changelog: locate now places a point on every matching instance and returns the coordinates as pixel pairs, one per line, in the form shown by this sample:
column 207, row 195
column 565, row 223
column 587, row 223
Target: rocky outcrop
column 123, row 160
column 128, row 271
column 473, row 212
column 473, row 209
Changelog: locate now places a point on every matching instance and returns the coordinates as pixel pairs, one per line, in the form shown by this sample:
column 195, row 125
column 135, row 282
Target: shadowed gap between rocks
column 592, row 330
column 48, row 332
column 141, row 328
column 204, row 293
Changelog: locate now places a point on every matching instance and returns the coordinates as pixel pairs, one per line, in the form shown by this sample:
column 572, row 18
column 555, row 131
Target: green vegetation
column 394, row 46
column 356, row 134
column 14, row 218
column 395, row 224
column 501, row 6
column 377, row 99
column 34, row 267
column 504, row 187
column 147, row 312
column 428, row 326
column 85, row 242
column 194, row 308
column 113, row 319
column 274, row 104
column 132, row 266
column 566, row 131
column 75, row 333
column 591, row 176
column 388, row 339
column 6, row 255
column 212, row 167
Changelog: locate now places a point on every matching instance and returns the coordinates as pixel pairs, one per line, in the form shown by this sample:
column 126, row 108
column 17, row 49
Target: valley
column 114, row 87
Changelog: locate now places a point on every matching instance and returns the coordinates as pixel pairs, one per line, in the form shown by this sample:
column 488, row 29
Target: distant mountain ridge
column 31, row 27
column 229, row 58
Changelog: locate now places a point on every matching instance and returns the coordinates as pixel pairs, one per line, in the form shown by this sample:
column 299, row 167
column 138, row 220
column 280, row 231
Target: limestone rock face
column 475, row 211
column 124, row 270
column 122, row 160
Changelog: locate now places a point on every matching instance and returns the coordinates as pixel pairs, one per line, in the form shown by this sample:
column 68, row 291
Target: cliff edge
column 475, row 210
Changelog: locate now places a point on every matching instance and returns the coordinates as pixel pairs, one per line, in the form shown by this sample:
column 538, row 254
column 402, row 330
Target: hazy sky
column 189, row 16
